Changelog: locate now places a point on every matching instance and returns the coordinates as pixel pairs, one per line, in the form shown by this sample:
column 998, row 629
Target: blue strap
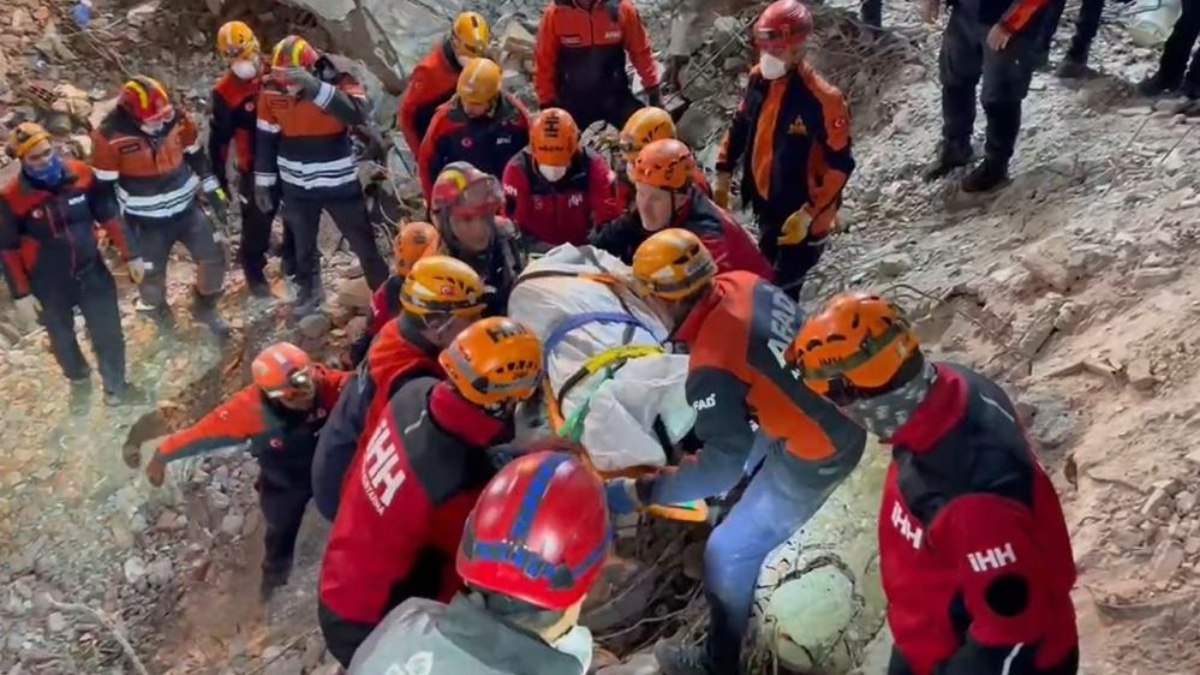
column 578, row 320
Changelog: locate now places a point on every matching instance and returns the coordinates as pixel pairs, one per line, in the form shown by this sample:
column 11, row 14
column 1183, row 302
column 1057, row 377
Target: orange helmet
column 470, row 34
column 644, row 127
column 236, row 41
column 439, row 284
column 554, row 137
column 294, row 51
column 415, row 241
column 495, row 361
column 858, row 342
column 283, row 371
column 782, row 24
column 23, row 139
column 479, row 82
column 145, row 99
column 665, row 164
column 463, row 191
column 673, row 264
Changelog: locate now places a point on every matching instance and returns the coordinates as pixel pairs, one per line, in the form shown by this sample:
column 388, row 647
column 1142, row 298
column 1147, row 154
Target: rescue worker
column 232, row 124
column 1087, row 24
column 415, row 241
column 736, row 327
column 974, row 553
column 465, row 205
column 481, row 125
column 667, row 197
column 426, row 462
column 304, row 146
column 1173, row 70
column 556, row 191
column 48, row 214
column 435, row 78
column 580, row 60
column 440, row 297
column 148, row 155
column 514, row 618
column 644, row 127
column 996, row 41
column 278, row 418
column 791, row 136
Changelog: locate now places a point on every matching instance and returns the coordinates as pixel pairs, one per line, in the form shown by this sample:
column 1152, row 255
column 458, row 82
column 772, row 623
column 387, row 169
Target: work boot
column 125, row 394
column 1155, row 85
column 81, row 394
column 272, row 580
column 986, row 176
column 256, row 284
column 310, row 295
column 1072, row 68
column 948, row 159
column 204, row 310
column 676, row 659
column 161, row 315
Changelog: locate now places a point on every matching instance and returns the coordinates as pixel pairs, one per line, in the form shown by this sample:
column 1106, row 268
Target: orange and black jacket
column 737, row 335
column 154, row 177
column 580, row 51
column 305, row 146
column 234, row 120
column 487, row 142
column 431, row 84
column 793, row 137
column 48, row 235
column 280, row 438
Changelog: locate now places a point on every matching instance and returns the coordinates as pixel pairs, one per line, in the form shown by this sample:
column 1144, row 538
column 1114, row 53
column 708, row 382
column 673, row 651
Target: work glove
column 303, row 83
column 621, row 494
column 654, row 96
column 27, row 310
column 137, row 270
column 220, row 206
column 795, row 228
column 721, row 190
column 156, row 470
column 263, row 198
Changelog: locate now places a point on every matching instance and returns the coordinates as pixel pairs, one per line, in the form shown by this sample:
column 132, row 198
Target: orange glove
column 721, row 189
column 795, row 228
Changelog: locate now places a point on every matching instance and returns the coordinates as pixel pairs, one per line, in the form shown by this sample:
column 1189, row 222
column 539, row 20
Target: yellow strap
column 608, row 357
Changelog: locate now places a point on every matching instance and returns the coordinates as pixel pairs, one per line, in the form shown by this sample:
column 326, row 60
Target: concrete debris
column 517, row 40
column 355, row 294
column 285, row 666
column 1166, row 561
column 1158, row 499
column 56, row 622
column 639, row 664
column 314, row 651
column 1141, row 374
column 1049, row 271
column 315, row 326
column 160, row 572
column 1069, row 316
column 1038, row 326
column 135, row 571
column 1149, row 277
column 892, row 266
column 1185, row 503
column 232, row 524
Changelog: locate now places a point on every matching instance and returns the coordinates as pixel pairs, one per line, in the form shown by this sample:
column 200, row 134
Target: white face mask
column 552, row 173
column 772, row 68
column 245, row 70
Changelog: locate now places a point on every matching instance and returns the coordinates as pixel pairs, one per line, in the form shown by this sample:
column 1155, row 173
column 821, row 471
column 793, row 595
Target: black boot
column 161, row 315
column 948, row 159
column 1072, row 68
column 1156, row 85
column 204, row 310
column 986, row 176
column 124, row 394
column 256, row 283
column 272, row 579
column 309, row 297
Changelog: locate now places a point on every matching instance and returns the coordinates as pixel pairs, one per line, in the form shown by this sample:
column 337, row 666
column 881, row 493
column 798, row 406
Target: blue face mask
column 51, row 173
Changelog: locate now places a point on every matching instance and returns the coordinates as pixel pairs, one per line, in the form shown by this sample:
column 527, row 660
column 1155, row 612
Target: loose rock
column 1157, row 499
column 1149, row 277
column 160, row 572
column 1140, row 374
column 232, row 523
column 135, row 570
column 315, row 326
column 1166, row 561
column 56, row 622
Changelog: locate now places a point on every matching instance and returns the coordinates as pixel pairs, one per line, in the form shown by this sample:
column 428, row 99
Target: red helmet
column 539, row 532
column 146, row 100
column 463, row 191
column 784, row 23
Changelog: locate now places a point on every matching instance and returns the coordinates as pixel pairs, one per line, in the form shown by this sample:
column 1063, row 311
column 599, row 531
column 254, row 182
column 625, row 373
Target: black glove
column 654, row 96
column 307, row 85
column 263, row 198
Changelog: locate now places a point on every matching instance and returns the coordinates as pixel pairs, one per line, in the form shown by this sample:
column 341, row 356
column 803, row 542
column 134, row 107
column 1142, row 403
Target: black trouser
column 1174, row 61
column 342, row 636
column 156, row 237
column 871, row 13
column 792, row 262
column 283, row 499
column 1087, row 24
column 256, row 234
column 303, row 218
column 614, row 108
column 1068, row 666
column 964, row 59
column 95, row 293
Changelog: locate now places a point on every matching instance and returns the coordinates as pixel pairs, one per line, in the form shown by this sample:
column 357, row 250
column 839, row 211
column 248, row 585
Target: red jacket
column 563, row 212
column 431, row 84
column 486, row 142
column 405, row 503
column 730, row 244
column 974, row 551
column 580, row 53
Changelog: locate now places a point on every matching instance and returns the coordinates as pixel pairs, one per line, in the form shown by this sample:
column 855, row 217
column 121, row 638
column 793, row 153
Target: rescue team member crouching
column 279, row 418
column 428, row 459
column 556, row 191
column 532, row 549
column 643, row 128
column 441, row 296
column 737, row 328
column 580, row 60
column 303, row 145
column 414, row 241
column 149, row 156
column 48, row 215
column 465, row 205
column 974, row 552
column 232, row 124
column 667, row 197
column 434, row 79
column 481, row 125
column 791, row 133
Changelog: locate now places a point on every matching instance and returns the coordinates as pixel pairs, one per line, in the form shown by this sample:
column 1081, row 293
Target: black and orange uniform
column 626, row 192
column 304, row 147
column 560, row 212
column 283, row 441
column 580, row 60
column 233, row 123
column 403, row 509
column 431, row 84
column 792, row 139
column 731, row 246
column 156, row 180
column 48, row 248
column 966, row 599
column 485, row 142
column 396, row 355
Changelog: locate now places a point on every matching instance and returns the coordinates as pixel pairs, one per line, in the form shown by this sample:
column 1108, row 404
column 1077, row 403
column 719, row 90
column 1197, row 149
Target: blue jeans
column 774, row 506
